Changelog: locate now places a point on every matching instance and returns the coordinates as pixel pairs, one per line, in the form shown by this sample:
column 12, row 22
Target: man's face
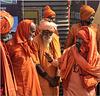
column 79, row 42
column 5, row 35
column 47, row 35
column 52, row 18
column 32, row 31
column 90, row 19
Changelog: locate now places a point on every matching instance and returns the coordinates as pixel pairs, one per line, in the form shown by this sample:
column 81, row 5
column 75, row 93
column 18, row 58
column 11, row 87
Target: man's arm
column 53, row 82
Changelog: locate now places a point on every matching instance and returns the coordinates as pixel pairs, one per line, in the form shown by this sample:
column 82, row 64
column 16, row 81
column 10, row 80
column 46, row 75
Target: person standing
column 47, row 41
column 50, row 16
column 7, row 80
column 22, row 53
column 79, row 65
column 86, row 17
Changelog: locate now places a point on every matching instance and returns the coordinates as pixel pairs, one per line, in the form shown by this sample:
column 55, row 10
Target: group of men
column 31, row 60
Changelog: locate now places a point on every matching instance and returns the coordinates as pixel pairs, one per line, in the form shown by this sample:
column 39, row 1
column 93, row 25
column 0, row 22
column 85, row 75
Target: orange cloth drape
column 24, row 67
column 71, row 56
column 74, row 29
column 8, row 79
column 54, row 50
column 6, row 22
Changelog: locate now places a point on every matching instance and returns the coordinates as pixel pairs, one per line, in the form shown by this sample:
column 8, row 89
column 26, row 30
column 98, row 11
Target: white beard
column 30, row 38
column 47, row 41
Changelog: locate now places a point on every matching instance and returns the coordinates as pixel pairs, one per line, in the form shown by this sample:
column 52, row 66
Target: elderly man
column 87, row 16
column 7, row 86
column 79, row 65
column 22, row 53
column 50, row 16
column 47, row 41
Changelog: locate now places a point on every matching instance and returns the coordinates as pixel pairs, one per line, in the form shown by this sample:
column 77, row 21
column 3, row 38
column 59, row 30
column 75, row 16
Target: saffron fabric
column 54, row 50
column 7, row 74
column 85, row 12
column 71, row 38
column 24, row 61
column 48, row 12
column 6, row 22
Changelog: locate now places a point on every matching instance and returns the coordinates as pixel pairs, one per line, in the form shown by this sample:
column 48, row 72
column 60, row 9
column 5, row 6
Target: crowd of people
column 32, row 64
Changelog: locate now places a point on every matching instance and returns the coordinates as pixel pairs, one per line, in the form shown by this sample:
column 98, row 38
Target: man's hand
column 53, row 81
column 48, row 56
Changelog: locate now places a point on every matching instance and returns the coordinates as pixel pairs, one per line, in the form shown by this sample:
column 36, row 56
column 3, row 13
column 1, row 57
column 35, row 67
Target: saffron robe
column 74, row 29
column 6, row 72
column 54, row 50
column 24, row 69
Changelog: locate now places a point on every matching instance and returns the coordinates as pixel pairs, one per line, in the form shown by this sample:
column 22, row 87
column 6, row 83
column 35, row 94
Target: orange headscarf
column 48, row 12
column 84, row 34
column 22, row 34
column 86, row 12
column 6, row 22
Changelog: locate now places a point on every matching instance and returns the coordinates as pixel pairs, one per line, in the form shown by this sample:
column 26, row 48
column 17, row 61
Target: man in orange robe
column 47, row 41
column 7, row 81
column 79, row 65
column 22, row 53
column 87, row 16
column 50, row 16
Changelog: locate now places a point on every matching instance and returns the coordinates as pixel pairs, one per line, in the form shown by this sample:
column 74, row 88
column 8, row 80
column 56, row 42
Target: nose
column 77, row 40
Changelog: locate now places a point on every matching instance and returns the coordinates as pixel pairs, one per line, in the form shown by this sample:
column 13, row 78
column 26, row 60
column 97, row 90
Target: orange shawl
column 91, row 65
column 7, row 73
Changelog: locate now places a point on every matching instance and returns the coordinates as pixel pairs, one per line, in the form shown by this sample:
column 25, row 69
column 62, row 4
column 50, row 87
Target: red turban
column 86, row 12
column 6, row 21
column 48, row 12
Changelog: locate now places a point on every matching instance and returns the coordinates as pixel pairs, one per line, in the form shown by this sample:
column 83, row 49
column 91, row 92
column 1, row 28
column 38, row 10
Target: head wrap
column 6, row 21
column 84, row 34
column 48, row 12
column 45, row 25
column 86, row 12
column 22, row 34
column 89, row 45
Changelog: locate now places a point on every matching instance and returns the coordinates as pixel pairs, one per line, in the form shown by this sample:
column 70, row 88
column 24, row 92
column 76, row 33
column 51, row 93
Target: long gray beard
column 47, row 41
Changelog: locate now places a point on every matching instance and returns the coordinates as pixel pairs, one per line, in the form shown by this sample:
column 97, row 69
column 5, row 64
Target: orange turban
column 86, row 12
column 45, row 25
column 6, row 21
column 48, row 12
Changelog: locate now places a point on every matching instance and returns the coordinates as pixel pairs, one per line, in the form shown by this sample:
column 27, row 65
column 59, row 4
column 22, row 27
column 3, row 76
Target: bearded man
column 79, row 65
column 47, row 41
column 22, row 53
column 87, row 14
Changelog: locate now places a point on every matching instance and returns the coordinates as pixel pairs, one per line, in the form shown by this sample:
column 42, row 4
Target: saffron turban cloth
column 48, row 12
column 45, row 25
column 6, row 21
column 86, row 12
